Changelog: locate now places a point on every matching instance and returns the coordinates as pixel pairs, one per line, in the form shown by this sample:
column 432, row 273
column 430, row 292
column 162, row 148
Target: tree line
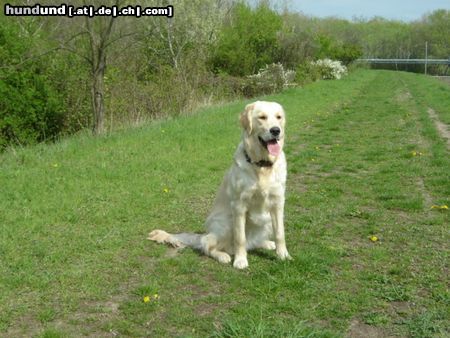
column 60, row 75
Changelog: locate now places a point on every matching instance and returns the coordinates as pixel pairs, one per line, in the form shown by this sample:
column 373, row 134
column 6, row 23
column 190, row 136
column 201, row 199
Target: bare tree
column 99, row 31
column 94, row 50
column 99, row 38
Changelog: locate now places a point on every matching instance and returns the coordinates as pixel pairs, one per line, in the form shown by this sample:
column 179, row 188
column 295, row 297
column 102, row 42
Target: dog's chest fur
column 263, row 190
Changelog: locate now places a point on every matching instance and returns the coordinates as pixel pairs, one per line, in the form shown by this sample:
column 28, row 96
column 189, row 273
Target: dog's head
column 263, row 124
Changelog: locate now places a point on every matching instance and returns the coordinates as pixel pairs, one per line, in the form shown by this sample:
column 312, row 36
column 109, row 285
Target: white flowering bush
column 270, row 79
column 330, row 69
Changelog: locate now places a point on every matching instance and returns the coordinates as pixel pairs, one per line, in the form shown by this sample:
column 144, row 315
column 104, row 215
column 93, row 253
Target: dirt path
column 440, row 126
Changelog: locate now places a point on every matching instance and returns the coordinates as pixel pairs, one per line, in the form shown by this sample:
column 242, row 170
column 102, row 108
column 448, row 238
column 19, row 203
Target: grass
column 74, row 218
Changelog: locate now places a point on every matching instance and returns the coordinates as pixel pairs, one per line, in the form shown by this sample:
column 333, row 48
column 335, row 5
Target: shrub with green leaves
column 331, row 48
column 248, row 41
column 306, row 73
column 31, row 110
column 347, row 53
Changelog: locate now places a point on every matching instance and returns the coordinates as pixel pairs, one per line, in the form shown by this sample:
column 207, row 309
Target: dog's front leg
column 240, row 252
column 276, row 213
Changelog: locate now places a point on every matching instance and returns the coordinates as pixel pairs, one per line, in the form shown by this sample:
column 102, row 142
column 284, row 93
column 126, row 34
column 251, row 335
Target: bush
column 228, row 87
column 326, row 69
column 272, row 78
column 329, row 69
column 306, row 73
column 31, row 110
column 248, row 42
column 69, row 77
column 330, row 48
column 348, row 53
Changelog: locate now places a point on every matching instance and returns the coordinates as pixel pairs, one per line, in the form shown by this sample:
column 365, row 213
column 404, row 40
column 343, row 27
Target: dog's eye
column 263, row 117
column 279, row 117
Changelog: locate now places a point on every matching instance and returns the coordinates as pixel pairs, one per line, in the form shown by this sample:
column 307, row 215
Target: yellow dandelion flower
column 373, row 238
column 166, row 190
column 440, row 207
column 156, row 296
column 146, row 299
column 55, row 165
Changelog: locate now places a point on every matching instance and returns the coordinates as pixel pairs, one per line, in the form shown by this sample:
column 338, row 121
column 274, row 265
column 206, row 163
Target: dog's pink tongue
column 274, row 148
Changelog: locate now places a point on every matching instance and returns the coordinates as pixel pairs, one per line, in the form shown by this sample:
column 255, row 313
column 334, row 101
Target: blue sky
column 406, row 10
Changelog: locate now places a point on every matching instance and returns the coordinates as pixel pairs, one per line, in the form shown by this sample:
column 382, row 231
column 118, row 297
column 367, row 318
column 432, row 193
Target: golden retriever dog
column 249, row 207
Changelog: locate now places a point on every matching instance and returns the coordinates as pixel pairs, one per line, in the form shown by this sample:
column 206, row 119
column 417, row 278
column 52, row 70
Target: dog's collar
column 261, row 164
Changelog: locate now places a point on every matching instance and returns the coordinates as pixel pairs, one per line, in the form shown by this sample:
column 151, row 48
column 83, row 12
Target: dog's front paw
column 240, row 262
column 283, row 254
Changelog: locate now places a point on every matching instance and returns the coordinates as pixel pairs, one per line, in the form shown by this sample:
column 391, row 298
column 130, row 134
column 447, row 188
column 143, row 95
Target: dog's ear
column 246, row 117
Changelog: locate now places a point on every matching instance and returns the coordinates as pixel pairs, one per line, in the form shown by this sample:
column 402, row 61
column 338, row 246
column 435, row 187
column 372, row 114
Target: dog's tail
column 177, row 240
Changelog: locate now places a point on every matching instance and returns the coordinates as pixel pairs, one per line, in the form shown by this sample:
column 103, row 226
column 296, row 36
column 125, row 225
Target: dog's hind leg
column 220, row 256
column 268, row 245
column 209, row 246
column 204, row 242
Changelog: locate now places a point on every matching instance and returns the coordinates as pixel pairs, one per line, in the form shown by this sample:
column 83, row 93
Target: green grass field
column 364, row 160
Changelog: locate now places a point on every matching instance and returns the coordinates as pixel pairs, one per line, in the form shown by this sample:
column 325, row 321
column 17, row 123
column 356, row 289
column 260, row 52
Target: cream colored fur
column 249, row 207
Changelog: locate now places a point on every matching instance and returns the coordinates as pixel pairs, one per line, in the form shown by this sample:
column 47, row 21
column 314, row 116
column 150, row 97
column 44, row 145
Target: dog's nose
column 275, row 131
